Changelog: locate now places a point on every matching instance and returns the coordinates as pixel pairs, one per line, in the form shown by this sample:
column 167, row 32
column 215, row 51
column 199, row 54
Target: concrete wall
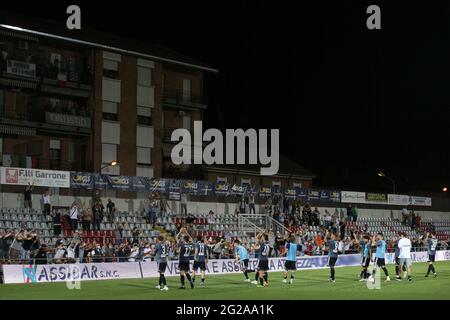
column 14, row 200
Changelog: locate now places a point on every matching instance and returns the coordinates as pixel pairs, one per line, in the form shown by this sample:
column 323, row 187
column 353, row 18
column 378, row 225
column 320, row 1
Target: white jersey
column 404, row 244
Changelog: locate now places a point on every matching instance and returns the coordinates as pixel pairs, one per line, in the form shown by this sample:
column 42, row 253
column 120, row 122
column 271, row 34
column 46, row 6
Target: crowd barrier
column 140, row 270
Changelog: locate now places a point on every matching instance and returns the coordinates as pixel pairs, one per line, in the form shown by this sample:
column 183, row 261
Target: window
column 144, row 171
column 144, row 76
column 110, row 111
column 144, row 136
column 110, row 132
column 2, row 103
column 276, row 183
column 109, row 152
column 55, row 154
column 111, row 90
column 297, row 185
column 187, row 89
column 144, row 116
column 144, row 155
column 110, row 69
column 221, row 179
column 145, row 96
column 245, row 181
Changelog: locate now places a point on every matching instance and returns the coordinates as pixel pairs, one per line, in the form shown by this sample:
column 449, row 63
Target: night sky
column 348, row 101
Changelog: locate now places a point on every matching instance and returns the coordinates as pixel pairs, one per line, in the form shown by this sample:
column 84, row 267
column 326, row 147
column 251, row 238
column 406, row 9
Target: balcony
column 43, row 121
column 167, row 133
column 180, row 99
column 63, row 78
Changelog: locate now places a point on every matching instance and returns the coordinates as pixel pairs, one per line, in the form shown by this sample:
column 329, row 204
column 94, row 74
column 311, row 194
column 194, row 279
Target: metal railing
column 183, row 97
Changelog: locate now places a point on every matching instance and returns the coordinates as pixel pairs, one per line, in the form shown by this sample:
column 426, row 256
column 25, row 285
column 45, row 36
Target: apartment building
column 78, row 100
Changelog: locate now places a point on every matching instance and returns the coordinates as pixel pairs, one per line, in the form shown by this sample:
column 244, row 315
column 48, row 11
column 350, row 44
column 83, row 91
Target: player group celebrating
column 373, row 251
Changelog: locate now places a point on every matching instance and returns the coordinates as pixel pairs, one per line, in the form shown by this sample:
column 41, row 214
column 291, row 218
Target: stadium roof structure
column 90, row 37
column 287, row 168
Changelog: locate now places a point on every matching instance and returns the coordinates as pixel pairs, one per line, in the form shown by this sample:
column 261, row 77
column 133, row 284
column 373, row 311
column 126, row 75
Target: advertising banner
column 190, row 187
column 70, row 272
column 158, row 185
column 290, row 193
column 81, row 180
column 222, row 189
column 302, row 194
column 420, row 201
column 101, row 182
column 138, row 270
column 265, row 192
column 324, row 195
column 119, row 183
column 138, row 184
column 205, row 188
column 313, row 195
column 398, row 199
column 37, row 177
column 238, row 190
column 335, row 196
column 353, row 197
column 376, row 198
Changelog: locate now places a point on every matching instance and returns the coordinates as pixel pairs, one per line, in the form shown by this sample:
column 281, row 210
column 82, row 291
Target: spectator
column 164, row 206
column 211, row 219
column 135, row 233
column 56, row 215
column 152, row 209
column 46, row 202
column 241, row 204
column 251, row 203
column 183, row 202
column 349, row 212
column 86, row 219
column 97, row 217
column 16, row 246
column 118, row 233
column 315, row 217
column 73, row 214
column 109, row 252
column 355, row 213
column 27, row 196
column 327, row 219
column 110, row 211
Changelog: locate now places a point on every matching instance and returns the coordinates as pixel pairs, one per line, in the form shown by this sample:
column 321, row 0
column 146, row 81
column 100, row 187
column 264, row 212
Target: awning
column 17, row 83
column 21, row 131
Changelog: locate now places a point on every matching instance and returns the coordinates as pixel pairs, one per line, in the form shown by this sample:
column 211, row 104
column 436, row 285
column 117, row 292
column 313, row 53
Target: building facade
column 78, row 102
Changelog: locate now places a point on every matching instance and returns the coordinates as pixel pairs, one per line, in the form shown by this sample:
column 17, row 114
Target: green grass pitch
column 309, row 284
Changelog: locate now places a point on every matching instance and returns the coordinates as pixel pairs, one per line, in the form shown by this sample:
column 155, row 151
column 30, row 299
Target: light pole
column 381, row 174
column 110, row 164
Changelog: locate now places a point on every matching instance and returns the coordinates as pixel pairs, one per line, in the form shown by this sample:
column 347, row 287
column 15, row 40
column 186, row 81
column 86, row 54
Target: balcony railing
column 184, row 98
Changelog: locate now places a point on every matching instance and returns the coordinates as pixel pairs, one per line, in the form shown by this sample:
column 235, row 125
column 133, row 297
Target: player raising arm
column 241, row 255
column 185, row 249
column 263, row 264
column 290, row 264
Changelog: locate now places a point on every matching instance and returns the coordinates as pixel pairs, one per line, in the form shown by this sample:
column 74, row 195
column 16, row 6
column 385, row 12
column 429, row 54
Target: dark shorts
column 244, row 264
column 431, row 257
column 199, row 264
column 397, row 261
column 290, row 265
column 184, row 266
column 263, row 265
column 332, row 261
column 380, row 262
column 365, row 262
column 162, row 267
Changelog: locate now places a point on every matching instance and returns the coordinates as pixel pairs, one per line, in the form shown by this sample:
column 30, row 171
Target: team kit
column 373, row 254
